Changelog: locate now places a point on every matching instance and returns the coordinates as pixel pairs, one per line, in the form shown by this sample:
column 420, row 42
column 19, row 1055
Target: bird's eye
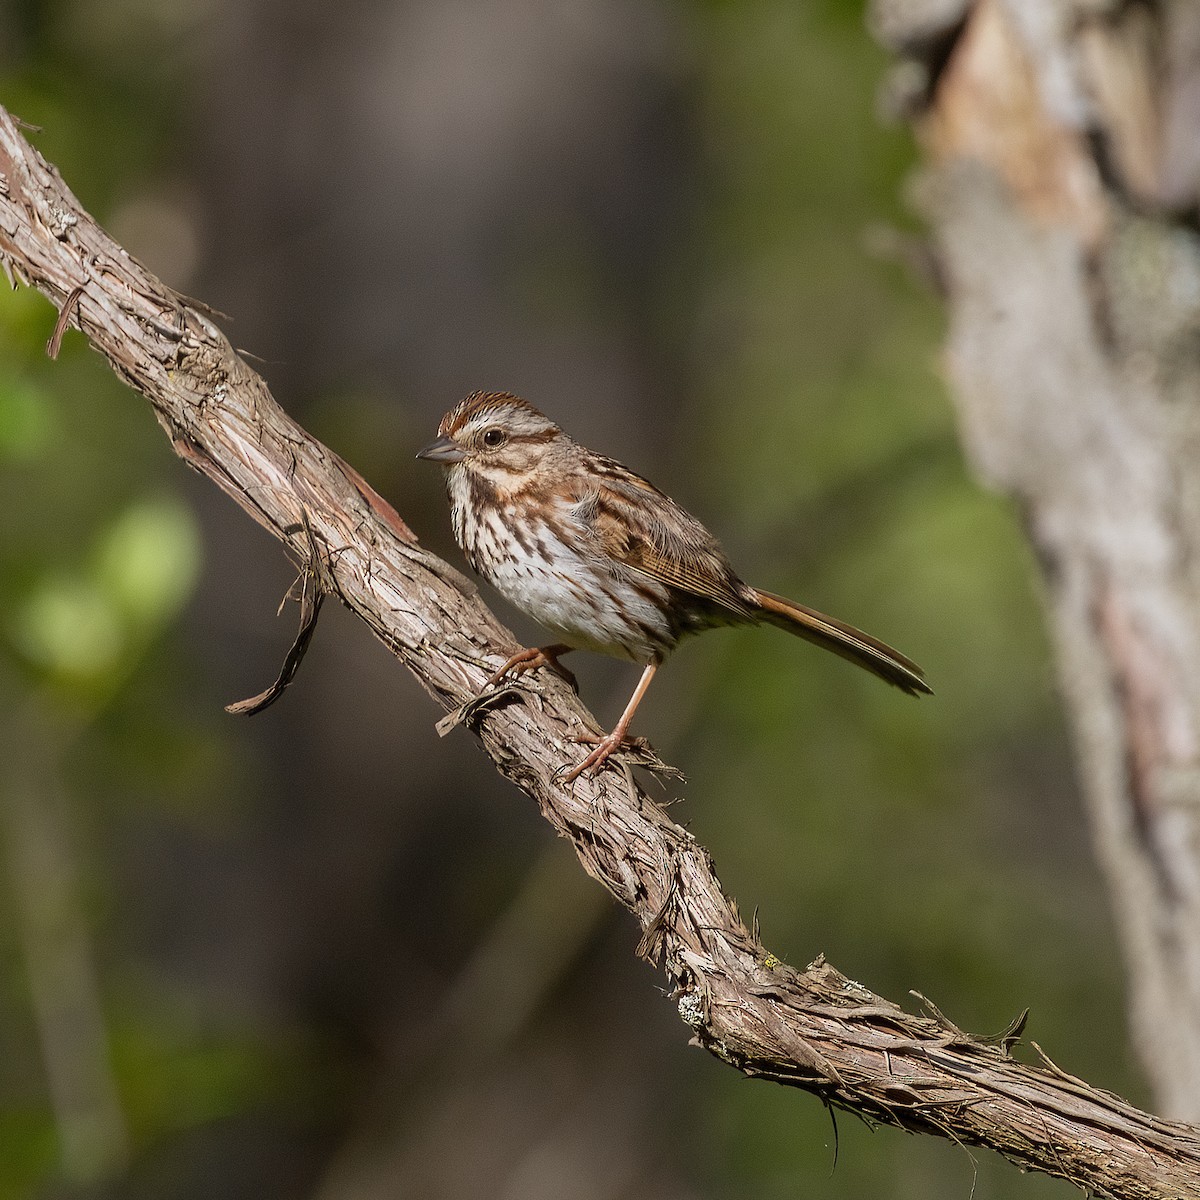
column 494, row 437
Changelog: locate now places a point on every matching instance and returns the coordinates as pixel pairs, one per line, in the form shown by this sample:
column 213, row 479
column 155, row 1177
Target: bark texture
column 1062, row 149
column 814, row 1029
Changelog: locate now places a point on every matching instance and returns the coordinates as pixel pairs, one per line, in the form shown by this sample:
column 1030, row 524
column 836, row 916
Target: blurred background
column 322, row 953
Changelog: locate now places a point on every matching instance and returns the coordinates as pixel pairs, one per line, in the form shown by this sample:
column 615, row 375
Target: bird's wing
column 645, row 530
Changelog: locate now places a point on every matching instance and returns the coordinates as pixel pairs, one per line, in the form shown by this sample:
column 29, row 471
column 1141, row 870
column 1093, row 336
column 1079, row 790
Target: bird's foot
column 603, row 746
column 492, row 693
column 531, row 659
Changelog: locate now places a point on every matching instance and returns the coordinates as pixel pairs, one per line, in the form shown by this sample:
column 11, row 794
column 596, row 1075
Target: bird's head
column 495, row 436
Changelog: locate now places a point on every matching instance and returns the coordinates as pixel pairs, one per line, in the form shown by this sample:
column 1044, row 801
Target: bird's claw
column 604, row 745
column 532, row 658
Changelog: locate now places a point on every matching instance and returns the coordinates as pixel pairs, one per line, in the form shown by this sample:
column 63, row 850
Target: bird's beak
column 444, row 450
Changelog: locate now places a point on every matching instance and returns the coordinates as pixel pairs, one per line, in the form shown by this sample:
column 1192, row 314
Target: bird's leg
column 534, row 657
column 606, row 745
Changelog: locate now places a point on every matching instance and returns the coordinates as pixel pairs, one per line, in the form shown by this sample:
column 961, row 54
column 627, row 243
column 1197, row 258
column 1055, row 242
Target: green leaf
column 147, row 563
column 67, row 627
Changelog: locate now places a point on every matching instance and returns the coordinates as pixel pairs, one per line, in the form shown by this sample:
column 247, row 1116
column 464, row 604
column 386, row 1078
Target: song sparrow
column 601, row 557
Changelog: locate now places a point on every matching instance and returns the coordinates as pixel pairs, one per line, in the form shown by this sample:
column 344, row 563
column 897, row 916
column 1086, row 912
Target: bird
column 602, row 558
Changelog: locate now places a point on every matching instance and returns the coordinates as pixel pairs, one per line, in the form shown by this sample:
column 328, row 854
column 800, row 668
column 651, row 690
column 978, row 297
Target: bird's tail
column 852, row 644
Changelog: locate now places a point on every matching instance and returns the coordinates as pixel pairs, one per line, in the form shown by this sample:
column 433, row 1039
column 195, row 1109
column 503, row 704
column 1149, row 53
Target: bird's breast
column 542, row 560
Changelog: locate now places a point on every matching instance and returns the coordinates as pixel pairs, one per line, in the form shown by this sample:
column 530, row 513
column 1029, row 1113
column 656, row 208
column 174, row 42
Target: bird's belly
column 579, row 600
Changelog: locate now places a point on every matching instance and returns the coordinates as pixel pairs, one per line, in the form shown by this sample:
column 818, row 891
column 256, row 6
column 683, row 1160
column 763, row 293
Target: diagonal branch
column 815, row 1029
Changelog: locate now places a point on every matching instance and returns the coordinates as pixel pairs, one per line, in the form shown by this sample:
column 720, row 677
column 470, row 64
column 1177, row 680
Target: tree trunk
column 1061, row 144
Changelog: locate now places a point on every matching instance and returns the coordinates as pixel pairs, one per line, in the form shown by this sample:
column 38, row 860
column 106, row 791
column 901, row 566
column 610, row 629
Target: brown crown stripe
column 479, row 402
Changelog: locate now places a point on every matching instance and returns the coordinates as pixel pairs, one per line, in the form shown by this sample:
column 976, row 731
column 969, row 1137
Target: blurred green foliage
column 935, row 846
column 97, row 560
column 83, row 628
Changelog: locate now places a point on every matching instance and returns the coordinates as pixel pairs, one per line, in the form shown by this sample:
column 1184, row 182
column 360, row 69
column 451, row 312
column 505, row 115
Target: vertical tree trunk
column 1061, row 143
